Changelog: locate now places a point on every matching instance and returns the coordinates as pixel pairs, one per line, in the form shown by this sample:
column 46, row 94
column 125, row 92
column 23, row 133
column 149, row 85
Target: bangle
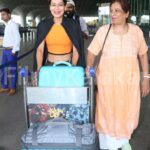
column 146, row 76
column 88, row 66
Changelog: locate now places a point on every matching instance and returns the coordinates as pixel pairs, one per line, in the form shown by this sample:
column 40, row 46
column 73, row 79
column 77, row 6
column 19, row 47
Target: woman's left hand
column 87, row 70
column 145, row 87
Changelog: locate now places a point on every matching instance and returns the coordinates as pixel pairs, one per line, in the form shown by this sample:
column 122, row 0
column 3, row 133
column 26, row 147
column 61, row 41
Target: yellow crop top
column 57, row 41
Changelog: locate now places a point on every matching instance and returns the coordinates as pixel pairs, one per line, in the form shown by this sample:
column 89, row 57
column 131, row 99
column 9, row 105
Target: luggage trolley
column 72, row 103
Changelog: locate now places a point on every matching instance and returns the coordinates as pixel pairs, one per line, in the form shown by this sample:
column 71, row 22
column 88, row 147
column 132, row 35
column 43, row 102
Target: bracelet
column 146, row 76
column 88, row 66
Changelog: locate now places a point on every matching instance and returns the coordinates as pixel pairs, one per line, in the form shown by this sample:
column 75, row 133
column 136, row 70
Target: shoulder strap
column 105, row 38
column 103, row 46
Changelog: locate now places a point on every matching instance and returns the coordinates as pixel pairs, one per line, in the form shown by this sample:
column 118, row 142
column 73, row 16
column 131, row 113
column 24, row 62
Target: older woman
column 58, row 38
column 118, row 77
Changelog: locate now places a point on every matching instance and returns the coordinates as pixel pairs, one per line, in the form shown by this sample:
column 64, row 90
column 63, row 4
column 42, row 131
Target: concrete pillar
column 37, row 19
column 23, row 20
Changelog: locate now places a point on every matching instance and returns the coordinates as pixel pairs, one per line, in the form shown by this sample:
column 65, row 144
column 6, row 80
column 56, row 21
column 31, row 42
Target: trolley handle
column 92, row 72
column 62, row 62
column 24, row 72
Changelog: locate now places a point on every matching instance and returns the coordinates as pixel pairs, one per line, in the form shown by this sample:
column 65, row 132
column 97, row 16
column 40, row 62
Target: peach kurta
column 118, row 80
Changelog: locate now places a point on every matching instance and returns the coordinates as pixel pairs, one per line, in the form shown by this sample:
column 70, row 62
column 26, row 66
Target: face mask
column 69, row 14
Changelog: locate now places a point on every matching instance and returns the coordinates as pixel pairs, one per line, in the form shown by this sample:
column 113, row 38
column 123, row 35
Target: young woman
column 58, row 38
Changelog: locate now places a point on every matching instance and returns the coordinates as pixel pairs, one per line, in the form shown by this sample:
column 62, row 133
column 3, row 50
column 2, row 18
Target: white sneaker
column 126, row 147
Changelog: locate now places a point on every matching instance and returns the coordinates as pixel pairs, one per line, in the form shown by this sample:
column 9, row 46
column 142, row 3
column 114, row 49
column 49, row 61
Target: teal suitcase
column 61, row 74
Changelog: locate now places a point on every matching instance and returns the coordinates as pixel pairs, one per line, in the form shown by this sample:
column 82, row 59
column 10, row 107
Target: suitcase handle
column 62, row 62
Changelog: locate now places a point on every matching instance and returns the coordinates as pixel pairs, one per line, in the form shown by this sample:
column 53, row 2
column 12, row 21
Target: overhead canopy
column 37, row 7
column 84, row 7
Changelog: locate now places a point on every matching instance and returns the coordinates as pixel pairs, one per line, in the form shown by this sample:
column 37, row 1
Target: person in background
column 11, row 47
column 71, row 13
column 118, row 77
column 58, row 38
